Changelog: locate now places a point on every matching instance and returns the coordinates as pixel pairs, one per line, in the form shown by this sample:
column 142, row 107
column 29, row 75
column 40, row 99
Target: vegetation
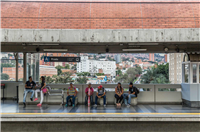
column 83, row 74
column 99, row 74
column 156, row 75
column 67, row 66
column 6, row 65
column 130, row 75
column 62, row 78
column 4, row 76
column 82, row 80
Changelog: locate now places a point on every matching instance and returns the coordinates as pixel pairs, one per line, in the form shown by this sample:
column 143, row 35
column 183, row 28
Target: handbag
column 45, row 90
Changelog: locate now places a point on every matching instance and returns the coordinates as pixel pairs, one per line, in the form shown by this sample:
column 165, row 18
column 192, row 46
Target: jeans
column 118, row 99
column 73, row 99
column 129, row 97
column 104, row 99
column 27, row 91
column 86, row 100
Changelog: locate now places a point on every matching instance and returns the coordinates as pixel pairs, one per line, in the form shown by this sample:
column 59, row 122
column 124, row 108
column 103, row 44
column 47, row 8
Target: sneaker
column 35, row 99
column 66, row 105
column 39, row 105
column 24, row 105
column 104, row 105
column 73, row 105
column 31, row 99
column 95, row 105
column 128, row 105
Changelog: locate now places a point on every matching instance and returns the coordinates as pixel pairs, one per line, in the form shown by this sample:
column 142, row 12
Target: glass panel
column 169, row 89
column 8, row 70
column 186, row 73
column 194, row 72
column 7, row 55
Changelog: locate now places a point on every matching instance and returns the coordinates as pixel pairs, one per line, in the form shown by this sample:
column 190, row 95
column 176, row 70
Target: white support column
column 24, row 65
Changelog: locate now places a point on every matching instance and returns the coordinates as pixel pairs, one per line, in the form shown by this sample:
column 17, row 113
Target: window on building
column 186, row 71
column 8, row 66
column 194, row 72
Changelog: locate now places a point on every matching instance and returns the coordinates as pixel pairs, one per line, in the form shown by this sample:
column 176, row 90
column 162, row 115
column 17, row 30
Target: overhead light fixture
column 134, row 49
column 121, row 44
column 43, row 44
column 166, row 49
column 55, row 49
column 143, row 44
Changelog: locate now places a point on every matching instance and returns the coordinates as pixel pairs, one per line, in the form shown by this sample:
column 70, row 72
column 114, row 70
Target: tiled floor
column 13, row 107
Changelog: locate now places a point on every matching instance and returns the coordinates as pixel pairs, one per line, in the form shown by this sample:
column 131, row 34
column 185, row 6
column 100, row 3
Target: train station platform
column 57, row 117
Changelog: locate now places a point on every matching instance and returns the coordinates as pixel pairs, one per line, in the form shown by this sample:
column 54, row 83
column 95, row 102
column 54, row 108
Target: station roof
column 100, row 14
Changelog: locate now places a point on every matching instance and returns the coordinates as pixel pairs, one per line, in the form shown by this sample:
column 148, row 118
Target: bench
column 52, row 92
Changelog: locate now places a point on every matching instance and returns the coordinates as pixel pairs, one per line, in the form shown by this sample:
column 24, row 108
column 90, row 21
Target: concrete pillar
column 24, row 65
column 191, row 81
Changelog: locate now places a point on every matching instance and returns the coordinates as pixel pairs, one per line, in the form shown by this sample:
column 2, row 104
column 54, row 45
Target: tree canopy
column 156, row 75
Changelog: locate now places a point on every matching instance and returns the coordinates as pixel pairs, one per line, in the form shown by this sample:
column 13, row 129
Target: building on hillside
column 118, row 58
column 93, row 66
column 11, row 71
column 151, row 57
column 175, row 67
column 68, row 70
column 47, row 70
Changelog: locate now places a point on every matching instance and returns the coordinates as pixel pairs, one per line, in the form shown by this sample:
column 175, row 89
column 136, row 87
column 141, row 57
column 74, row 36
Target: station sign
column 61, row 59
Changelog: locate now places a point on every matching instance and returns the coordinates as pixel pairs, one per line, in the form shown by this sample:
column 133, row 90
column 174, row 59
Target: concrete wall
column 100, row 35
column 11, row 90
column 100, row 126
column 152, row 96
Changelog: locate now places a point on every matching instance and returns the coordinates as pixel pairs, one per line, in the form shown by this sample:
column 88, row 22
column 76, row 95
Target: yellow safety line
column 100, row 113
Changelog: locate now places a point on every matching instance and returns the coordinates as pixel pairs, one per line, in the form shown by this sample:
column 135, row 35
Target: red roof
column 100, row 15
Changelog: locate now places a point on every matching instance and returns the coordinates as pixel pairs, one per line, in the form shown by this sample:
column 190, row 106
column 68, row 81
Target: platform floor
column 13, row 107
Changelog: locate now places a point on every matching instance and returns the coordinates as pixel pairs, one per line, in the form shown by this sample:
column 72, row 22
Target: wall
column 10, row 90
column 151, row 96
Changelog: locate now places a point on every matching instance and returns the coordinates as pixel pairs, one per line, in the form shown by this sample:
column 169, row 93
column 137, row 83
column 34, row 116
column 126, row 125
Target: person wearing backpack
column 71, row 92
column 30, row 84
column 133, row 91
column 43, row 85
column 101, row 93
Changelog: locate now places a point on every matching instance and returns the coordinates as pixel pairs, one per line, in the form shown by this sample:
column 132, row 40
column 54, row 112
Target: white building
column 175, row 67
column 93, row 66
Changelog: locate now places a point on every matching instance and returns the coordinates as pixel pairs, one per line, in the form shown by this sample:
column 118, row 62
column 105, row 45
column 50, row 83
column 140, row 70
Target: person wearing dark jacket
column 131, row 94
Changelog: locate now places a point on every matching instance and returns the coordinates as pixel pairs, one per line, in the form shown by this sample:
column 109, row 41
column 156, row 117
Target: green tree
column 67, row 66
column 59, row 71
column 64, row 78
column 158, row 75
column 4, row 76
column 83, row 74
column 130, row 75
column 99, row 74
column 74, row 67
column 81, row 80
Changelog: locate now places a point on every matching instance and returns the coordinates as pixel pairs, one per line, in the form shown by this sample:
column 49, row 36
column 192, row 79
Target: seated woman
column 71, row 92
column 89, row 94
column 43, row 85
column 119, row 94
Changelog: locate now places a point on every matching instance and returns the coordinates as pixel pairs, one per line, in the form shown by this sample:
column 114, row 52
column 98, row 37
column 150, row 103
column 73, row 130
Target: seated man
column 71, row 92
column 29, row 88
column 101, row 93
column 89, row 94
column 131, row 94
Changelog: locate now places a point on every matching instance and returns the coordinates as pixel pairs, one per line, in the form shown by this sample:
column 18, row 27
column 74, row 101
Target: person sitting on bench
column 71, row 92
column 101, row 93
column 131, row 94
column 30, row 84
column 90, row 95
